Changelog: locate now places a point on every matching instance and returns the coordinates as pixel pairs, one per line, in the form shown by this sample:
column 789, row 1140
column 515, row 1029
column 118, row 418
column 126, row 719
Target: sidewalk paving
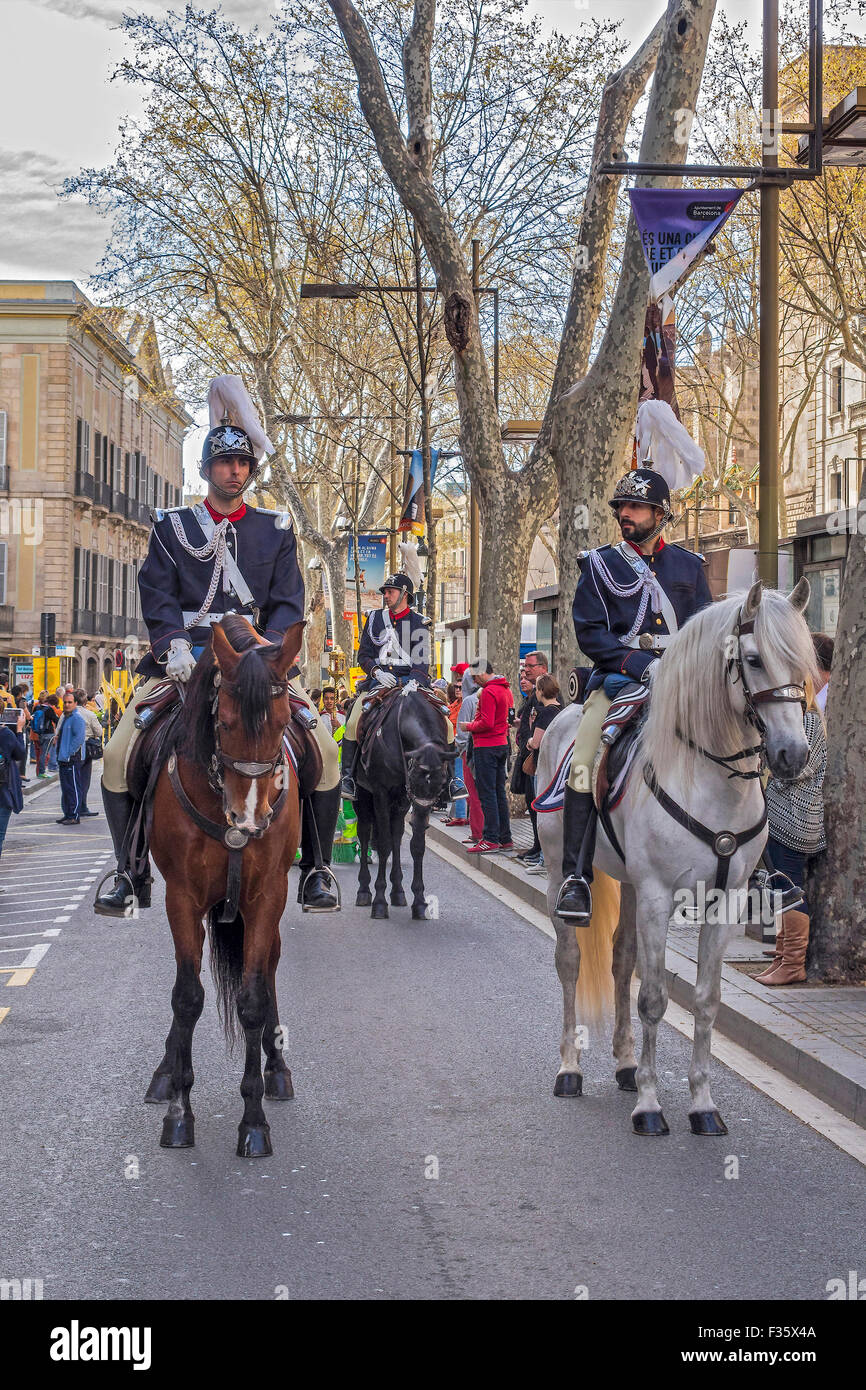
column 814, row 1035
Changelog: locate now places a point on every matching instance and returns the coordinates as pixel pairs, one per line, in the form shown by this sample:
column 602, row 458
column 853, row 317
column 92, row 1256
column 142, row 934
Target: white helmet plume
column 227, row 396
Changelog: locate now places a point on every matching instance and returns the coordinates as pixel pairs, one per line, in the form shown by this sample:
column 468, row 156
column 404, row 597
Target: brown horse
column 227, row 784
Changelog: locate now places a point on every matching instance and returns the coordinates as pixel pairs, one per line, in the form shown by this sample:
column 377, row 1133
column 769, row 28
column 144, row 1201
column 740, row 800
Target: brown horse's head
column 252, row 710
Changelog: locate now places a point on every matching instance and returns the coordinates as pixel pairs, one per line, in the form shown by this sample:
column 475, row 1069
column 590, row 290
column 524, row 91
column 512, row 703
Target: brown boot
column 779, row 953
column 792, row 970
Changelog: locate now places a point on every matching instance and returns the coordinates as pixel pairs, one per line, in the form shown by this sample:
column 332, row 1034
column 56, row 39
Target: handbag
column 92, row 748
column 528, row 765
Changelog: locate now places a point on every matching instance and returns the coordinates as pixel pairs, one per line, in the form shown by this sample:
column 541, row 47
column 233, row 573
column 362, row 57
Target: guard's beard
column 638, row 534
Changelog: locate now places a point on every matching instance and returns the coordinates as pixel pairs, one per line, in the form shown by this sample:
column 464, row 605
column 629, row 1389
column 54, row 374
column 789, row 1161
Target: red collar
column 232, row 516
column 660, row 546
column 404, row 613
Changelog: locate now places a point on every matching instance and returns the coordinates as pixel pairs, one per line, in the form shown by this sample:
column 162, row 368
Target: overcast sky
column 59, row 112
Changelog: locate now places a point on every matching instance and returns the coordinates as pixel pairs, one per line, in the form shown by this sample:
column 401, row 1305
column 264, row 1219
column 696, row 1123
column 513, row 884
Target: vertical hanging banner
column 658, row 358
column 372, row 558
column 676, row 225
column 412, row 518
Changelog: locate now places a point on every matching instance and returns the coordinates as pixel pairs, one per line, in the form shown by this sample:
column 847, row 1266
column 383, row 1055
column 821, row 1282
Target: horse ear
column 799, row 595
column 752, row 602
column 290, row 649
column 226, row 656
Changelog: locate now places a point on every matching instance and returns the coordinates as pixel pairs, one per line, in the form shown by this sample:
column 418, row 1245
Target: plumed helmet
column 644, row 485
column 399, row 581
column 228, row 441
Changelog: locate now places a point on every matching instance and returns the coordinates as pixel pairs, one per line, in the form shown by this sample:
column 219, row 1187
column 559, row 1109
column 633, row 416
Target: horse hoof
column 278, row 1085
column 254, row 1141
column 398, row 898
column 160, row 1090
column 649, row 1122
column 707, row 1122
column 568, row 1083
column 419, row 912
column 625, row 1079
column 379, row 910
column 363, row 898
column 178, row 1132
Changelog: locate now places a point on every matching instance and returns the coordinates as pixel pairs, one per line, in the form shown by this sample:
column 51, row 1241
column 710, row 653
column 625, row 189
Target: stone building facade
column 91, row 437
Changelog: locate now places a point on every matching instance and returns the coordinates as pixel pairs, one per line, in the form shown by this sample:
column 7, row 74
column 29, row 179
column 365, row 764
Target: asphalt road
column 416, row 1048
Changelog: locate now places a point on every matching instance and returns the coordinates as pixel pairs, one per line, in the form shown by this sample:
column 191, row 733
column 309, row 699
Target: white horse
column 731, row 683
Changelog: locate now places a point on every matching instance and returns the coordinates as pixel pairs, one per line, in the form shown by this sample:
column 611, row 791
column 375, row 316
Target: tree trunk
column 341, row 628
column 837, row 882
column 314, row 634
column 593, row 421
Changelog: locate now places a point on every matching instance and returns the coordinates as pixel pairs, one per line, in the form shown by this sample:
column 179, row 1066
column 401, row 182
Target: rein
column 421, row 748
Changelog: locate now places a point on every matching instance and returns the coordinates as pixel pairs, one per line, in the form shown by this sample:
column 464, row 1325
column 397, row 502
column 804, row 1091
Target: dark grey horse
column 407, row 764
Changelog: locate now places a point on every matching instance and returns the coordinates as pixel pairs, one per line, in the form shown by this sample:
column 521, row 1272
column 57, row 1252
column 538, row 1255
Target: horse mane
column 690, row 688
column 251, row 688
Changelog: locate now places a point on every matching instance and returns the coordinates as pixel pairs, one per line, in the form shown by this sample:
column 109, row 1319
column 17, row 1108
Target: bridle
column 725, row 843
column 232, row 837
column 780, row 694
column 221, row 760
column 421, row 748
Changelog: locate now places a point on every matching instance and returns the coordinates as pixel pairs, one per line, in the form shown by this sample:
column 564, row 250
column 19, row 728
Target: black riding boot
column 348, row 755
column 579, row 820
column 127, row 891
column 315, row 890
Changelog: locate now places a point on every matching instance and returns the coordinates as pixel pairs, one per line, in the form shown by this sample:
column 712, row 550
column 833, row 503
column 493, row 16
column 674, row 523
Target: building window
column 131, row 479
column 836, row 488
column 4, row 552
column 836, row 390
column 117, row 595
column 82, row 446
column 3, row 431
column 81, row 588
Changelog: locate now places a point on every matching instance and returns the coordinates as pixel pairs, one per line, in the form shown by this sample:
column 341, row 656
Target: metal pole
column 474, row 515
column 768, row 417
column 392, row 539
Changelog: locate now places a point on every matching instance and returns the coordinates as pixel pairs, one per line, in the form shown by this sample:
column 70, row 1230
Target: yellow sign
column 356, row 673
column 43, row 672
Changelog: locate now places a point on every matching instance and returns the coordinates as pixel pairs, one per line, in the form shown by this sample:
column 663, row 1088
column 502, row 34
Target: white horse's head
column 719, row 672
column 769, row 670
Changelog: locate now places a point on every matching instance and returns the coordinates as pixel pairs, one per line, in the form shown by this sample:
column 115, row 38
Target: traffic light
column 47, row 626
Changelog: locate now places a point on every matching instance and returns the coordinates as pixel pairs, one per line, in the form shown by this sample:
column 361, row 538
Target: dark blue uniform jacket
column 172, row 581
column 413, row 633
column 601, row 618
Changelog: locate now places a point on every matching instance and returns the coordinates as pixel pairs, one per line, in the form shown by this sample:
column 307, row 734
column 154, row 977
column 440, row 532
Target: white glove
column 385, row 678
column 181, row 662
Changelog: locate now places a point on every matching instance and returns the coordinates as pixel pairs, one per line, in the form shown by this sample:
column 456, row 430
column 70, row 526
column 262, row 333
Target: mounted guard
column 204, row 562
column 395, row 648
column 630, row 600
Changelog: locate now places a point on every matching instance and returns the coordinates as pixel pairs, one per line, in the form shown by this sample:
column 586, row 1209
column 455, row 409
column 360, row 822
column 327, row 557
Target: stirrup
column 129, row 906
column 783, row 893
column 328, row 871
column 579, row 914
column 456, row 789
column 348, row 789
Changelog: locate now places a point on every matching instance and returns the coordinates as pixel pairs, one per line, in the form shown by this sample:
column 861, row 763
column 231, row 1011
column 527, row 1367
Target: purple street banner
column 675, row 225
column 372, row 559
column 413, row 502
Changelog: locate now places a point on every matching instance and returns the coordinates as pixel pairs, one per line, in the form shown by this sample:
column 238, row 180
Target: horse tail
column 227, row 967
column 595, row 985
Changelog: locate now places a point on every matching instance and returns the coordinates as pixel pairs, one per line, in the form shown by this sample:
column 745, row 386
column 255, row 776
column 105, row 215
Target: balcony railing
column 84, row 484
column 105, row 498
column 83, row 620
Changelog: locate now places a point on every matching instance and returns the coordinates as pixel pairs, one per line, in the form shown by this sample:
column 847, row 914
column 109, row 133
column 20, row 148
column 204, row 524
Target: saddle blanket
column 553, row 796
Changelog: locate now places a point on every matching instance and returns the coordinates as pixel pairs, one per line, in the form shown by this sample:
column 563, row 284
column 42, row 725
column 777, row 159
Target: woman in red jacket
column 489, row 732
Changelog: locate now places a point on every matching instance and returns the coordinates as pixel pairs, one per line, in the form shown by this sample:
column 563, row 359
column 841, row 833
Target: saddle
column 613, row 762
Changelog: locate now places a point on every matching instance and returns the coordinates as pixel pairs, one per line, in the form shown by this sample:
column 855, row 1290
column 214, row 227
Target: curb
column 34, row 787
column 747, row 1013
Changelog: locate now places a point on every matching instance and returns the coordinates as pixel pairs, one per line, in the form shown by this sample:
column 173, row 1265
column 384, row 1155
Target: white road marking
column 10, row 936
column 847, row 1136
